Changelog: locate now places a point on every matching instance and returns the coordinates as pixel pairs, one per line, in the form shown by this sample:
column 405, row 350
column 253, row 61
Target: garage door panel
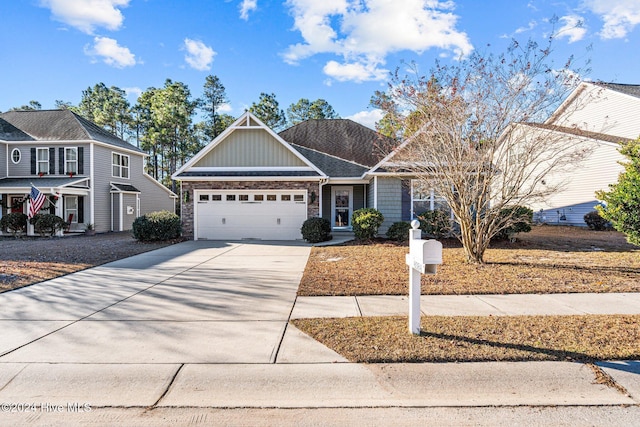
column 232, row 219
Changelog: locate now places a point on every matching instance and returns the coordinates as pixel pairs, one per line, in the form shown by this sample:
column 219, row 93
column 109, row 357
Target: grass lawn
column 550, row 259
column 547, row 260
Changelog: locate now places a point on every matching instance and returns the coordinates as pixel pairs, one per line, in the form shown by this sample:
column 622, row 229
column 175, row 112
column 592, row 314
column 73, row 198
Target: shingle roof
column 633, row 90
column 330, row 165
column 40, row 183
column 125, row 187
column 247, row 173
column 61, row 125
column 342, row 138
column 9, row 132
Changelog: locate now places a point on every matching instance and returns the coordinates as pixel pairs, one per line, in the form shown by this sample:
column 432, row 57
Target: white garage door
column 255, row 214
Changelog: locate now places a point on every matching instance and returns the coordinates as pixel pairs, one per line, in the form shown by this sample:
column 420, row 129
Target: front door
column 341, row 206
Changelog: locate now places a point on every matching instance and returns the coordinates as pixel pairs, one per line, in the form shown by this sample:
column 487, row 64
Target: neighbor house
column 253, row 183
column 89, row 175
column 598, row 116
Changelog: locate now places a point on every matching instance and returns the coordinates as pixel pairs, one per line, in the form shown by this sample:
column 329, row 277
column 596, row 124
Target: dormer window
column 16, row 156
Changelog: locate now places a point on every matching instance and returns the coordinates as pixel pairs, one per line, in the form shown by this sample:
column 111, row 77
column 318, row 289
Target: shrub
column 596, row 222
column 436, row 223
column 14, row 223
column 162, row 225
column 518, row 220
column 366, row 222
column 47, row 224
column 399, row 231
column 315, row 230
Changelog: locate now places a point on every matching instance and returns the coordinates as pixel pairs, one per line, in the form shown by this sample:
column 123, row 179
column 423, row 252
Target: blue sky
column 338, row 50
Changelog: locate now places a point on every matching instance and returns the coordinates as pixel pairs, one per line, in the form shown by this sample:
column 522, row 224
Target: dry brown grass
column 475, row 339
column 31, row 260
column 550, row 259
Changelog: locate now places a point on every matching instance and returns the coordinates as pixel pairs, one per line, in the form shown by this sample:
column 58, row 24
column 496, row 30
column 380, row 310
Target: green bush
column 596, row 222
column 315, row 230
column 47, row 224
column 14, row 223
column 436, row 223
column 518, row 220
column 162, row 225
column 365, row 222
column 399, row 231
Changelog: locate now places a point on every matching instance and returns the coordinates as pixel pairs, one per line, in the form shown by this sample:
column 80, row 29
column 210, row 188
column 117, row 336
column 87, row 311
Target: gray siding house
column 252, row 183
column 89, row 175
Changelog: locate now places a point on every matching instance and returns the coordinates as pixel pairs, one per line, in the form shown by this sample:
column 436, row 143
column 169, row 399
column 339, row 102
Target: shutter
column 61, row 161
column 52, row 161
column 33, row 161
column 80, row 209
column 80, row 160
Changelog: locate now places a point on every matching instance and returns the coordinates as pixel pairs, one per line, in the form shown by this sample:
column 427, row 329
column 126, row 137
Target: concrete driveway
column 195, row 302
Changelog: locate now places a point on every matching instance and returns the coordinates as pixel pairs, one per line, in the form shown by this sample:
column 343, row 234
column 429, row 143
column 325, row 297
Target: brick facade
column 187, row 199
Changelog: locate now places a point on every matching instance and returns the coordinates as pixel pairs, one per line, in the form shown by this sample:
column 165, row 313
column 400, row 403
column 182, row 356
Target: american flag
column 37, row 200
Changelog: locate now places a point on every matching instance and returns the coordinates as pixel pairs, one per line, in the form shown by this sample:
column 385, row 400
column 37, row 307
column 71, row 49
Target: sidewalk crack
column 173, row 379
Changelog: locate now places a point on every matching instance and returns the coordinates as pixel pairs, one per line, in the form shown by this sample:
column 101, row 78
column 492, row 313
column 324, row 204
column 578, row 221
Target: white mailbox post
column 423, row 258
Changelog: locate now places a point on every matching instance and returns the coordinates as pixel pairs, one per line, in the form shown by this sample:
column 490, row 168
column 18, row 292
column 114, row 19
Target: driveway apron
column 194, row 302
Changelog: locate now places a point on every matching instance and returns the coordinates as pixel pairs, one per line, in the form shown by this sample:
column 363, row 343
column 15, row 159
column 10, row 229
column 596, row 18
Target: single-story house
column 253, row 183
column 88, row 175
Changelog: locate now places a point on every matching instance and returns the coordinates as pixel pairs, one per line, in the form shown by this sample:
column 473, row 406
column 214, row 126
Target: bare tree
column 476, row 136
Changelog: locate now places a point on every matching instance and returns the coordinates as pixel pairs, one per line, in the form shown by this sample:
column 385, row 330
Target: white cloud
column 111, row 53
column 356, row 71
column 87, row 15
column 367, row 118
column 199, row 55
column 529, row 27
column 225, row 108
column 133, row 92
column 619, row 16
column 247, row 6
column 364, row 32
column 573, row 28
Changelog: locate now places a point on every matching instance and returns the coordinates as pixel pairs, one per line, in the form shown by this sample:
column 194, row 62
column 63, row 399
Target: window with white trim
column 424, row 198
column 120, row 165
column 42, row 160
column 71, row 160
column 16, row 156
column 71, row 209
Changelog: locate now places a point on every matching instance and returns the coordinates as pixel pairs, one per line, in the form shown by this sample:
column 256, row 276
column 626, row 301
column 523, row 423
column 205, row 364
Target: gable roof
column 61, row 125
column 248, row 122
column 332, row 166
column 341, row 138
column 579, row 132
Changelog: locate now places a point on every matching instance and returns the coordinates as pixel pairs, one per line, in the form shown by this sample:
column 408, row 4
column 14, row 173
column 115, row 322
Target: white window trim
column 38, row 161
column 120, row 166
column 66, row 161
column 19, row 155
column 74, row 220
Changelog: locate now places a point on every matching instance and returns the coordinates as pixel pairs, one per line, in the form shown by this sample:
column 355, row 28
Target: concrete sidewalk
column 186, row 329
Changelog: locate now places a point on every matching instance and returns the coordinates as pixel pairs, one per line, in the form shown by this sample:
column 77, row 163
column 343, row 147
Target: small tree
column 622, row 201
column 471, row 135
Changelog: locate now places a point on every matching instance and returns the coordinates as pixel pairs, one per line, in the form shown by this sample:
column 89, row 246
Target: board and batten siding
column 606, row 111
column 595, row 173
column 249, row 148
column 389, row 201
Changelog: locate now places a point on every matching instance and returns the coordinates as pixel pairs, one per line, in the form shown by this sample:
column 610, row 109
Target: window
column 285, row 197
column 258, row 198
column 71, row 160
column 71, row 209
column 271, row 197
column 216, row 197
column 231, row 197
column 42, row 160
column 120, row 164
column 15, row 156
column 298, row 198
column 425, row 199
column 243, row 197
column 204, row 197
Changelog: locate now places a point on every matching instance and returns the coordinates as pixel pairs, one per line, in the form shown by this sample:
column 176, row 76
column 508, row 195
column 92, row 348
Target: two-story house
column 89, row 175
